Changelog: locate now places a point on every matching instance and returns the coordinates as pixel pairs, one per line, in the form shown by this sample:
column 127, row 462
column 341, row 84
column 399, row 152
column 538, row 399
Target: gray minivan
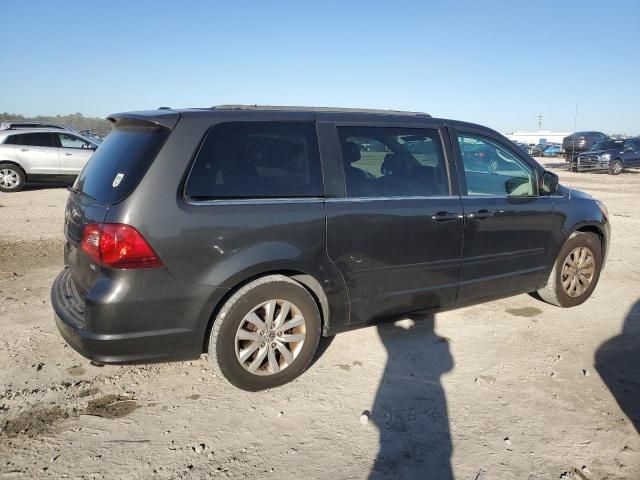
column 250, row 232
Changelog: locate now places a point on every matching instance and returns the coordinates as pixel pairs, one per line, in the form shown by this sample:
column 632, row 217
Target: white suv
column 41, row 154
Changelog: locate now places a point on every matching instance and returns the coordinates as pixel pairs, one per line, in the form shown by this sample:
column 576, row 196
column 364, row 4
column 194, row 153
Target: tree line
column 76, row 120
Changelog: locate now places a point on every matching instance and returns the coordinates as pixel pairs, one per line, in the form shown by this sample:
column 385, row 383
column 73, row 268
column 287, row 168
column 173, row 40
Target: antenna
column 539, row 122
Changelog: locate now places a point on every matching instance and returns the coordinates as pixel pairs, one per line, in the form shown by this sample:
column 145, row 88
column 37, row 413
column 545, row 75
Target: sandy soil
column 513, row 389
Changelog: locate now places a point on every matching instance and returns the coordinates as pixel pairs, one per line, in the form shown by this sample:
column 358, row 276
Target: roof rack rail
column 316, row 109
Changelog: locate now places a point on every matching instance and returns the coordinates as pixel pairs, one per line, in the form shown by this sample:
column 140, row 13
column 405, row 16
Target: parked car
column 522, row 146
column 250, row 232
column 611, row 155
column 580, row 142
column 91, row 135
column 40, row 155
column 26, row 124
column 552, row 151
column 536, row 151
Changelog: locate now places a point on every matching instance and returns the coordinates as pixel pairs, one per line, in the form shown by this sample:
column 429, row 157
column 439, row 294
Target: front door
column 508, row 224
column 74, row 153
column 396, row 234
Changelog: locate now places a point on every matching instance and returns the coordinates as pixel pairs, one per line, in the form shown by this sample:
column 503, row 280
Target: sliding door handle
column 480, row 215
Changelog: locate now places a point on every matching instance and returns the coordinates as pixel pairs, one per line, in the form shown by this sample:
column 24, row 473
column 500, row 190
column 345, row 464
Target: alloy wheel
column 577, row 271
column 9, row 178
column 270, row 337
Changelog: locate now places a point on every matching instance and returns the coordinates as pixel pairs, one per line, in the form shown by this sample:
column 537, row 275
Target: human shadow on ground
column 410, row 408
column 618, row 363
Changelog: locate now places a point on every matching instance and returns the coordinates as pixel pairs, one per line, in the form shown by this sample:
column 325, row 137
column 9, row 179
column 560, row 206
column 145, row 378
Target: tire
column 12, row 178
column 616, row 167
column 554, row 292
column 275, row 368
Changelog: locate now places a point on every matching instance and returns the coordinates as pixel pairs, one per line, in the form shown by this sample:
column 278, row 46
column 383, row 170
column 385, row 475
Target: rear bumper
column 121, row 333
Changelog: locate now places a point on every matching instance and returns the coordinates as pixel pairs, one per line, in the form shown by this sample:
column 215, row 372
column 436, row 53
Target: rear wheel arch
column 308, row 282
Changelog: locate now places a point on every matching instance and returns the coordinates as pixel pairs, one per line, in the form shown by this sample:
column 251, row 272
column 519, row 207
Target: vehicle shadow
column 617, row 361
column 410, row 408
column 46, row 185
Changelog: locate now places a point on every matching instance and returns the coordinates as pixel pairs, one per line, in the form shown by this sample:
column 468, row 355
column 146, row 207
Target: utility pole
column 539, row 122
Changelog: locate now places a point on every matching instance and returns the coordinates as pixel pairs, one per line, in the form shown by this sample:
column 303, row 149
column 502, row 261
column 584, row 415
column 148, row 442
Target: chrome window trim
column 377, row 199
column 291, row 200
column 503, row 197
column 254, row 201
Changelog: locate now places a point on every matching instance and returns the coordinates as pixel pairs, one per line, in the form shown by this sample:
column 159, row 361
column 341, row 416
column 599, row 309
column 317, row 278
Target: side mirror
column 549, row 182
column 628, row 149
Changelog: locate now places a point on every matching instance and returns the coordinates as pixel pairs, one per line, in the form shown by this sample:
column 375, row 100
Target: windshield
column 606, row 145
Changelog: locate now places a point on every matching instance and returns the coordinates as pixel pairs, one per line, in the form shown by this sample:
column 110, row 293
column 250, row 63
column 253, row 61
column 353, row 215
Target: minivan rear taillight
column 118, row 245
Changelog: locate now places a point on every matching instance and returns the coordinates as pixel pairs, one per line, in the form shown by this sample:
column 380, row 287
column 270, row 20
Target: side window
column 12, row 140
column 257, row 160
column 390, row 161
column 71, row 141
column 40, row 139
column 491, row 169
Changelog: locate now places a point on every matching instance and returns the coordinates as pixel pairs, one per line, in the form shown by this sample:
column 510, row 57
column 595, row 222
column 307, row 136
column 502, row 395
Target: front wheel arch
column 595, row 230
column 614, row 161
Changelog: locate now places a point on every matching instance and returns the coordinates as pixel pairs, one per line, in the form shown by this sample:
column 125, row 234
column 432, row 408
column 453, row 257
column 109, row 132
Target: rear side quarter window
column 256, row 160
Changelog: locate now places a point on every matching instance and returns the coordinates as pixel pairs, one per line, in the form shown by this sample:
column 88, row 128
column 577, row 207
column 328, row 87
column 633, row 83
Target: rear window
column 256, row 160
column 120, row 162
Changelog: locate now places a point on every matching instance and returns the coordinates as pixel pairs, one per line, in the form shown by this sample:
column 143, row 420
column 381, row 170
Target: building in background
column 534, row 138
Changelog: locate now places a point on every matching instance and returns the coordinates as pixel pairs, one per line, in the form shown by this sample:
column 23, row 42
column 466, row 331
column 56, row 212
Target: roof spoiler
column 150, row 118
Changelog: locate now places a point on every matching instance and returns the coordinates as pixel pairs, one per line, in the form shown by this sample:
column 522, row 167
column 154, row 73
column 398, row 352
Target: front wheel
column 616, row 167
column 576, row 271
column 266, row 334
column 12, row 178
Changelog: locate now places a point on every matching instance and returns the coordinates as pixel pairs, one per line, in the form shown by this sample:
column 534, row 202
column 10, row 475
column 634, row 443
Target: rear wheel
column 266, row 334
column 576, row 271
column 12, row 178
column 616, row 167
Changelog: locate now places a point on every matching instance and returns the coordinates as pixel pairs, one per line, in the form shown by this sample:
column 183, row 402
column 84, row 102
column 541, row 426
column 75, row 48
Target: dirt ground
column 512, row 389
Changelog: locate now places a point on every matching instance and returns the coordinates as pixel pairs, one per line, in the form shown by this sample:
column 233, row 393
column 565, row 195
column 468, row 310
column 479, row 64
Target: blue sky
column 496, row 63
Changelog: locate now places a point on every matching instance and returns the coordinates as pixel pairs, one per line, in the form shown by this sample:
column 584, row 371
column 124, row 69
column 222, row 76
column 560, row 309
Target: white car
column 41, row 154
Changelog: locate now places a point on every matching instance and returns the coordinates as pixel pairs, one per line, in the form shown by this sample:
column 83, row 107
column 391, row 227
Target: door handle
column 445, row 217
column 24, row 149
column 67, row 154
column 480, row 215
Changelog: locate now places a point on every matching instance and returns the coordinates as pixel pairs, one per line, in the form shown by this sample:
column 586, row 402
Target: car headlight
column 606, row 157
column 603, row 208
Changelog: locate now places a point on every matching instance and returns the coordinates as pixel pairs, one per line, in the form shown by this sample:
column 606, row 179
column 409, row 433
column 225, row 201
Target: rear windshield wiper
column 75, row 190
